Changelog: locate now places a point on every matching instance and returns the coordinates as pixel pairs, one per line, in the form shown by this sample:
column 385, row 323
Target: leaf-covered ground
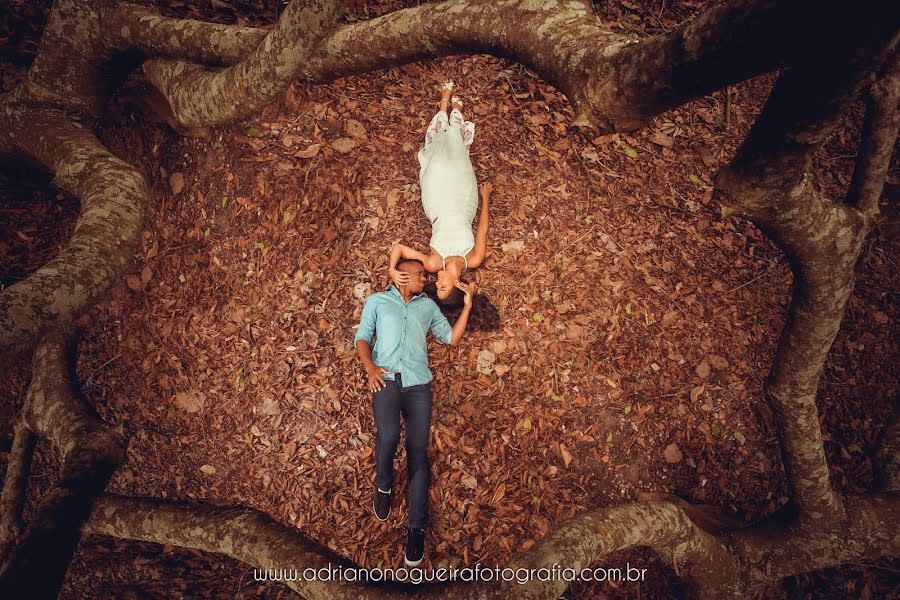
column 636, row 325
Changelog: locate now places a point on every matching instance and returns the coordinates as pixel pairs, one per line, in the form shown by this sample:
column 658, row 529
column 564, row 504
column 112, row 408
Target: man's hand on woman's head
column 374, row 374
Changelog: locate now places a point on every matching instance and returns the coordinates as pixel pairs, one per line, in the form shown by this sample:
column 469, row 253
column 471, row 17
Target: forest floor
column 636, row 328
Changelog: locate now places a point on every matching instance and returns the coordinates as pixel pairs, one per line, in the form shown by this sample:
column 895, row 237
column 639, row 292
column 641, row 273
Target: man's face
column 416, row 276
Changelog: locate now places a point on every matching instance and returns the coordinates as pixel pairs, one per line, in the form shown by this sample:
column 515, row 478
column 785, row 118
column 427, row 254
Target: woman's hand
column 376, row 381
column 400, row 278
column 486, row 188
column 469, row 289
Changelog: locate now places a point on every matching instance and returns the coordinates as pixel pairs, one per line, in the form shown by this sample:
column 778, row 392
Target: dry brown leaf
column 672, row 453
column 669, row 318
column 566, row 455
column 696, row 391
column 309, row 152
column 702, row 370
column 343, row 145
column 176, row 182
column 661, row 139
column 355, row 129
column 188, row 401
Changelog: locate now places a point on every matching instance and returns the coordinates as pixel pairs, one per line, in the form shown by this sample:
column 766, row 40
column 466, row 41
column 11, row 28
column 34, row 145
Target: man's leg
column 386, row 407
column 417, row 402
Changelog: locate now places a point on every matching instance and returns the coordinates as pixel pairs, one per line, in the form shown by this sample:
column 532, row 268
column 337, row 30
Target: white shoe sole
column 413, row 563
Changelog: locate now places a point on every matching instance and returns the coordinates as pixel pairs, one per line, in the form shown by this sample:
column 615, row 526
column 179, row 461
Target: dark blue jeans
column 414, row 403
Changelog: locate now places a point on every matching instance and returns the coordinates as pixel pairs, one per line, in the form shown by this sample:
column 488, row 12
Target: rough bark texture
column 615, row 84
column 112, row 195
column 14, row 486
column 768, row 183
column 246, row 534
column 878, row 137
column 200, row 97
column 587, row 538
column 887, row 460
column 90, row 449
column 871, row 529
column 134, row 26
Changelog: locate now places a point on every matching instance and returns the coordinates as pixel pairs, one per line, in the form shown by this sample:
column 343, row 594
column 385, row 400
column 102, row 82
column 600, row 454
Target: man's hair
column 410, row 260
column 484, row 316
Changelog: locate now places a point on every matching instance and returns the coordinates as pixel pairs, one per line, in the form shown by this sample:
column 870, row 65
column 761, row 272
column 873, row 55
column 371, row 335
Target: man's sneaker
column 382, row 504
column 415, row 547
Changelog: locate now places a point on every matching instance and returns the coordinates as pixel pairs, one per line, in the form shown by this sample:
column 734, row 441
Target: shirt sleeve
column 366, row 328
column 440, row 326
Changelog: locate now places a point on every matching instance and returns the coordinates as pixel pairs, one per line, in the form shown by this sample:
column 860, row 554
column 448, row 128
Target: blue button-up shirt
column 400, row 329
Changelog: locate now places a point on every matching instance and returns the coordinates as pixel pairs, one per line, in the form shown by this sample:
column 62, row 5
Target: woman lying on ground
column 450, row 198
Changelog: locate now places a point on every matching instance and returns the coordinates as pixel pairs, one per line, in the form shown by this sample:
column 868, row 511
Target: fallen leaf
column 310, row 151
column 362, row 290
column 176, row 182
column 672, row 453
column 702, row 370
column 661, row 139
column 513, row 246
column 696, row 391
column 188, row 402
column 343, row 145
column 566, row 455
column 718, row 362
column 208, row 469
column 355, row 129
column 486, row 360
column 669, row 318
column 270, row 407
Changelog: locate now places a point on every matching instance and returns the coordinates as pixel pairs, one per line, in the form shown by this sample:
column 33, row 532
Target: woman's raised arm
column 476, row 256
column 398, row 252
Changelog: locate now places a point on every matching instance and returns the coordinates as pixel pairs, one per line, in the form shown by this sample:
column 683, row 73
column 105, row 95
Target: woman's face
column 444, row 284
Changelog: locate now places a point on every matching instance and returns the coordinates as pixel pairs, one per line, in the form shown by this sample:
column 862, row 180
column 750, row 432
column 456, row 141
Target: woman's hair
column 484, row 315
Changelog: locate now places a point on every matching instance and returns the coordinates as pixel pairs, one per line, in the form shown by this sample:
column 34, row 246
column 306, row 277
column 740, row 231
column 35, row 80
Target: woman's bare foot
column 456, row 103
column 446, row 92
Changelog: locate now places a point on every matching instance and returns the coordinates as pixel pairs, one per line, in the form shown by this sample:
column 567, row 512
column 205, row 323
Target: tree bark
column 90, row 451
column 112, row 195
column 768, row 183
column 878, row 138
column 15, row 485
column 615, row 84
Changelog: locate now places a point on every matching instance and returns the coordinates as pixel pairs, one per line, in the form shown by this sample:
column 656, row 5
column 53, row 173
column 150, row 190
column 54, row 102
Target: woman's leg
column 456, row 116
column 439, row 120
column 467, row 128
column 438, row 124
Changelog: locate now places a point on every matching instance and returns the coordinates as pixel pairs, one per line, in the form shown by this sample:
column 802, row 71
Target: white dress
column 448, row 184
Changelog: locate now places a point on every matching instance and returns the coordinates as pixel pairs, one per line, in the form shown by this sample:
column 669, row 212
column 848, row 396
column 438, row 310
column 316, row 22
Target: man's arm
column 373, row 371
column 363, row 339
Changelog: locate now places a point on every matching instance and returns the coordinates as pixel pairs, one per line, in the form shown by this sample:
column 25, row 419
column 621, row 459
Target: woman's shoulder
column 434, row 262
